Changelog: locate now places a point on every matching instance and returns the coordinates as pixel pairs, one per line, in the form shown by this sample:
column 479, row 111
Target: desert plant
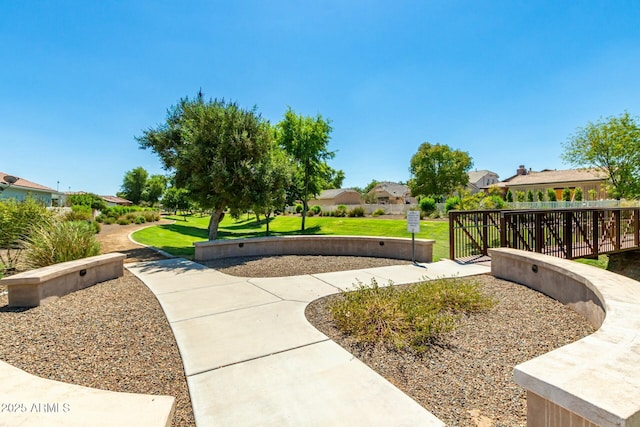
column 412, row 317
column 139, row 220
column 427, row 205
column 79, row 213
column 61, row 241
column 358, row 211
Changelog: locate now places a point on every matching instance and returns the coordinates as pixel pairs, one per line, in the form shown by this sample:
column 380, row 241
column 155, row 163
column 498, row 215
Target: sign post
column 413, row 227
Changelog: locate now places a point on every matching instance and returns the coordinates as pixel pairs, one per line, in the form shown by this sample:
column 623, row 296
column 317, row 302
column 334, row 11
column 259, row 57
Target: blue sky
column 506, row 81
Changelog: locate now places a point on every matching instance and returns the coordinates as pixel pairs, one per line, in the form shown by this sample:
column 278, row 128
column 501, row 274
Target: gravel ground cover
column 114, row 336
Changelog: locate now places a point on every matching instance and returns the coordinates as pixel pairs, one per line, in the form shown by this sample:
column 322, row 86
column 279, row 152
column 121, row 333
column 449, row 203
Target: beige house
column 391, row 193
column 480, row 180
column 589, row 180
column 338, row 196
column 116, row 201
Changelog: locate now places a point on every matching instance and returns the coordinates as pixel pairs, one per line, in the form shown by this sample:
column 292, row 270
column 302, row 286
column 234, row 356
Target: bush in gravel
column 123, row 221
column 140, row 220
column 410, row 317
column 61, row 241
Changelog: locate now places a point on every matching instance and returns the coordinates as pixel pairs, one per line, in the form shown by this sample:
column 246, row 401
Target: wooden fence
column 565, row 233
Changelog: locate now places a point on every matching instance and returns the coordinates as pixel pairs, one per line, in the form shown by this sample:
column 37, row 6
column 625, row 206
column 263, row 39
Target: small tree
column 551, row 195
column 566, row 195
column 577, row 194
column 509, row 196
column 520, row 196
column 592, row 194
column 530, row 196
column 438, row 170
column 133, row 185
column 540, row 195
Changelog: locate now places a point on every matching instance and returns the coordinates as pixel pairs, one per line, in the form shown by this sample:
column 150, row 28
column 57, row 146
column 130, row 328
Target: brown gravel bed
column 467, row 378
column 111, row 336
column 288, row 265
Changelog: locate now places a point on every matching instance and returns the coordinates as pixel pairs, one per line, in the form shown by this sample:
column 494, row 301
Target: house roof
column 23, row 183
column 475, row 176
column 393, row 188
column 117, row 200
column 333, row 193
column 554, row 176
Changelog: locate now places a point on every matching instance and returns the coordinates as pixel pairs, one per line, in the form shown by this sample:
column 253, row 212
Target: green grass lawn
column 178, row 238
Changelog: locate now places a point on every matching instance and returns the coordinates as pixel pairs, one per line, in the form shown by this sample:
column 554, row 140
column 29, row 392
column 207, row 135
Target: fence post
column 539, row 242
column 568, row 235
column 595, row 233
column 503, row 230
column 616, row 224
column 636, row 227
column 452, row 240
column 485, row 233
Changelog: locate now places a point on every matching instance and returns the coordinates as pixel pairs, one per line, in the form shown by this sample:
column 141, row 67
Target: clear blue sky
column 506, row 81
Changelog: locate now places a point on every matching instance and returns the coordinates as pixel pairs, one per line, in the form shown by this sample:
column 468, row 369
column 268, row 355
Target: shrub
column 530, row 196
column 452, row 203
column 566, row 195
column 492, row 202
column 341, row 211
column 358, row 211
column 139, row 220
column 592, row 194
column 109, row 220
column 520, row 196
column 299, row 207
column 123, row 221
column 427, row 205
column 577, row 194
column 551, row 195
column 509, row 196
column 316, row 209
column 540, row 196
column 79, row 213
column 151, row 216
column 61, row 241
column 378, row 212
column 411, row 317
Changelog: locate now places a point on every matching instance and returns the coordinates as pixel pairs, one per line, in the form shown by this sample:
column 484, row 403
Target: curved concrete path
column 252, row 358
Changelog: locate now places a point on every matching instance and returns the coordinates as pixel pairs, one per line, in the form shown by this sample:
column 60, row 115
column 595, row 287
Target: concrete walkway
column 252, row 358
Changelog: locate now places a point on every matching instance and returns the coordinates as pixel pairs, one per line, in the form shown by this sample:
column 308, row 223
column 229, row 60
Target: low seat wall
column 594, row 381
column 35, row 287
column 383, row 247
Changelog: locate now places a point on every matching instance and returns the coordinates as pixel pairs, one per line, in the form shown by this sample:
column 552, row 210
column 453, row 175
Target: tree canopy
column 613, row 146
column 438, row 170
column 133, row 185
column 214, row 148
column 306, row 140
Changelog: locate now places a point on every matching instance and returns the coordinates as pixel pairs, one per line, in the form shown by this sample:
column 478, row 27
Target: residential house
column 589, row 180
column 481, row 180
column 391, row 193
column 12, row 187
column 116, row 201
column 339, row 196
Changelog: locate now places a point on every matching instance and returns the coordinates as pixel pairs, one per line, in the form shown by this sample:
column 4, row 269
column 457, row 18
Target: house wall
column 20, row 194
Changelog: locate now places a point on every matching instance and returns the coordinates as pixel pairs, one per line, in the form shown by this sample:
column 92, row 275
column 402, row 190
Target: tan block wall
column 543, row 413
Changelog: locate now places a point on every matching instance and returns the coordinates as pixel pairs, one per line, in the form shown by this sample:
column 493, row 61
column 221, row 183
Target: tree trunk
column 214, row 222
column 266, row 216
column 305, row 208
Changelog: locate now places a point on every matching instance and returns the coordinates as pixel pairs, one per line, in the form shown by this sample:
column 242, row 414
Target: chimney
column 521, row 170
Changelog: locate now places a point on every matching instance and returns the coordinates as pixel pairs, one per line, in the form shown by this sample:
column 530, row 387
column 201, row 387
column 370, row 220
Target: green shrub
column 140, row 220
column 123, row 221
column 452, row 203
column 551, row 195
column 61, row 241
column 592, row 194
column 358, row 211
column 79, row 213
column 341, row 211
column 530, row 196
column 427, row 205
column 566, row 195
column 310, row 213
column 412, row 317
column 109, row 220
column 101, row 218
column 299, row 207
column 316, row 209
column 540, row 196
column 577, row 194
column 509, row 196
column 378, row 212
column 520, row 196
column 491, row 202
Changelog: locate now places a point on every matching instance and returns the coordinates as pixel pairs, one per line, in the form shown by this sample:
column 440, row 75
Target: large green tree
column 438, row 170
column 133, row 185
column 154, row 188
column 611, row 145
column 306, row 140
column 214, row 148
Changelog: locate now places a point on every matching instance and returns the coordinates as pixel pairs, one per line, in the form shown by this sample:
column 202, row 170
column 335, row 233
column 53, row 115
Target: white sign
column 413, row 221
